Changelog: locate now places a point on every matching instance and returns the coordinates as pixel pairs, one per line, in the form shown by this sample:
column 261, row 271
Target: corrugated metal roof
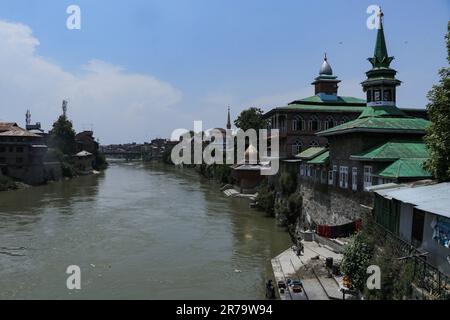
column 432, row 198
column 311, row 153
column 406, row 168
column 394, row 150
column 324, row 158
column 379, row 124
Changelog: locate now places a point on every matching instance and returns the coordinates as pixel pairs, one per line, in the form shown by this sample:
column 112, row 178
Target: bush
column 7, row 183
column 266, row 198
column 100, row 162
column 288, row 183
column 357, row 258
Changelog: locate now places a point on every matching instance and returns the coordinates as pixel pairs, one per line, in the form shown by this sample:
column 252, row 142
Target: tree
column 62, row 136
column 438, row 134
column 251, row 119
column 357, row 257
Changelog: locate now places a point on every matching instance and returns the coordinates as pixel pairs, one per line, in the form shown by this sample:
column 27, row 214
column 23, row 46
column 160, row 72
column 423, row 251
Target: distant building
column 22, row 154
column 85, row 141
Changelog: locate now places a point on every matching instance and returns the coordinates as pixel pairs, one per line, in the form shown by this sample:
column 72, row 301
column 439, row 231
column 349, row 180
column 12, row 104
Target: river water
column 137, row 231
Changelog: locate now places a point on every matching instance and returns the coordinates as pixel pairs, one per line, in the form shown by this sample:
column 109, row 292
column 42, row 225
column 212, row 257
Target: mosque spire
column 381, row 57
column 229, row 119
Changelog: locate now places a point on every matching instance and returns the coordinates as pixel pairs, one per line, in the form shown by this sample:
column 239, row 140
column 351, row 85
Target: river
column 137, row 231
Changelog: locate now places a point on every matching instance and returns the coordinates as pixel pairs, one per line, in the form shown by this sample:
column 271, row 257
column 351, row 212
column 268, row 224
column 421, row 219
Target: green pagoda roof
column 382, row 111
column 324, row 158
column 394, row 150
column 311, row 153
column 406, row 168
column 380, row 124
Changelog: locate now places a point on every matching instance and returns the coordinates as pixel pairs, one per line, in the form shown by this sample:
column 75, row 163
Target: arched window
column 297, row 147
column 329, row 123
column 298, row 124
column 314, row 124
column 314, row 144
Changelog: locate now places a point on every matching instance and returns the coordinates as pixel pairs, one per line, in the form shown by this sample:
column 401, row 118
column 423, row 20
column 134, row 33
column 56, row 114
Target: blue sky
column 141, row 68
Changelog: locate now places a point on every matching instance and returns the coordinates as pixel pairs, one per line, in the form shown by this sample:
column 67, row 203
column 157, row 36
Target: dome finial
column 326, row 68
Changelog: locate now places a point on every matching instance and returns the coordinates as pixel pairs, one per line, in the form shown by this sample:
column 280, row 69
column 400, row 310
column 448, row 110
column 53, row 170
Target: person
column 300, row 247
column 270, row 290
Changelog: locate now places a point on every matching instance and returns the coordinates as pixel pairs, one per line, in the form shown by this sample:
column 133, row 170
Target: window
column 377, row 95
column 302, row 170
column 2, row 160
column 387, row 95
column 298, row 124
column 2, row 149
column 314, row 144
column 19, row 160
column 330, row 178
column 367, row 177
column 314, row 124
column 297, row 147
column 19, row 149
column 308, row 171
column 329, row 123
column 343, row 177
column 369, row 96
column 355, row 179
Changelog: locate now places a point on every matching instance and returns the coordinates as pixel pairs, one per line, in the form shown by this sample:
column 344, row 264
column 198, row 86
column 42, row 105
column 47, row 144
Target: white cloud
column 121, row 106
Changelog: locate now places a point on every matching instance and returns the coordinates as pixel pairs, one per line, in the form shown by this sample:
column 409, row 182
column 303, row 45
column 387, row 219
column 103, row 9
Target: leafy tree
column 357, row 258
column 62, row 136
column 251, row 119
column 438, row 135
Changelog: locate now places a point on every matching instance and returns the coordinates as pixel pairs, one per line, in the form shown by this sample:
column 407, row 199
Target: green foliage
column 7, row 183
column 357, row 258
column 100, row 162
column 68, row 170
column 288, row 183
column 266, row 198
column 438, row 134
column 62, row 136
column 251, row 119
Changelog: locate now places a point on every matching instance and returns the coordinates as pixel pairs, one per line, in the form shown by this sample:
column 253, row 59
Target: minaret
column 326, row 83
column 381, row 83
column 229, row 119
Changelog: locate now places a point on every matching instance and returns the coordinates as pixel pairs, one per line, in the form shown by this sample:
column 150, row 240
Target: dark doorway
column 417, row 227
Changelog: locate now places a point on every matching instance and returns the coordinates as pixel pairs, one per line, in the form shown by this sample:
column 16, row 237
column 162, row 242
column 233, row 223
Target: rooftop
column 434, row 198
column 311, row 153
column 324, row 158
column 406, row 168
column 380, row 124
column 394, row 150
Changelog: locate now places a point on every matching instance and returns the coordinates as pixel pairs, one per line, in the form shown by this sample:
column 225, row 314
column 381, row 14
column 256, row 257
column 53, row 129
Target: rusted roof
column 10, row 129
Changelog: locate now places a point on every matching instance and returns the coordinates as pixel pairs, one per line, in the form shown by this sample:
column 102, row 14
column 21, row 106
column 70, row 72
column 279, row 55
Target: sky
column 139, row 69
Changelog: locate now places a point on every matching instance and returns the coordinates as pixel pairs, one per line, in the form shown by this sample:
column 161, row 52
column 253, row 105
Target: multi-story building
column 384, row 144
column 22, row 154
column 301, row 120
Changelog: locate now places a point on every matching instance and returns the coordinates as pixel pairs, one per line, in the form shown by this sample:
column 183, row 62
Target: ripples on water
column 137, row 232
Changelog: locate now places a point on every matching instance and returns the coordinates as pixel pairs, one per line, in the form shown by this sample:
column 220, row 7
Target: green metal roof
column 394, row 150
column 406, row 168
column 311, row 153
column 324, row 158
column 370, row 124
column 382, row 111
column 323, row 98
column 324, row 108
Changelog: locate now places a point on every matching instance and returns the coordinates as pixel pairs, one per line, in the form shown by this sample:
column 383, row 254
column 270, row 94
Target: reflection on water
column 138, row 232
